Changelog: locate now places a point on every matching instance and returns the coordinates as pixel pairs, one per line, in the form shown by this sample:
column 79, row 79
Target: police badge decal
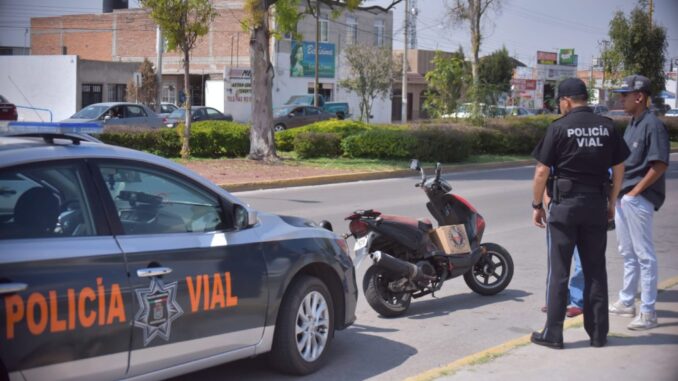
column 158, row 308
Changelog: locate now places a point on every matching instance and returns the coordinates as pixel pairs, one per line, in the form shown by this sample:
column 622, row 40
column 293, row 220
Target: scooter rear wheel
column 492, row 273
column 380, row 298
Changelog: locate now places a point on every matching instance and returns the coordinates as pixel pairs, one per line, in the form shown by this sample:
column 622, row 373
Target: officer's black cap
column 633, row 83
column 572, row 87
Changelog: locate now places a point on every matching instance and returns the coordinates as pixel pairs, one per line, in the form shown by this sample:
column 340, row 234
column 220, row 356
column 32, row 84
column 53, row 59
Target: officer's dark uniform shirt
column 648, row 141
column 581, row 146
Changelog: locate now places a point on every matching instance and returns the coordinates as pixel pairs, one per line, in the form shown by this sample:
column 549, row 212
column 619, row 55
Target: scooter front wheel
column 379, row 297
column 493, row 271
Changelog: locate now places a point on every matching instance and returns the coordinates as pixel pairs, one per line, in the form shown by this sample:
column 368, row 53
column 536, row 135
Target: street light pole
column 317, row 42
column 404, row 96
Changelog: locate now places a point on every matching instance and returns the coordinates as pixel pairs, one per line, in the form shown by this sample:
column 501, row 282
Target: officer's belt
column 566, row 186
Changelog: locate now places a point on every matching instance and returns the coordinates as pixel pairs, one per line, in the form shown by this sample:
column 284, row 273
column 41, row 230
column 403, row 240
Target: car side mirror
column 107, row 117
column 414, row 165
column 291, row 115
column 244, row 217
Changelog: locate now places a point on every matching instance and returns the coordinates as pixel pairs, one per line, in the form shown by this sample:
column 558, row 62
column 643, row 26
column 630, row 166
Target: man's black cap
column 572, row 87
column 633, row 83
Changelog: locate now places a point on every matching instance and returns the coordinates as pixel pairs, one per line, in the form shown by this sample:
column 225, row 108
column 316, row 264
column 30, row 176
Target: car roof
column 27, row 150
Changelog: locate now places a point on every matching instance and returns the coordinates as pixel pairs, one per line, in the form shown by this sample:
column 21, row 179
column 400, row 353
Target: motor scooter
column 410, row 258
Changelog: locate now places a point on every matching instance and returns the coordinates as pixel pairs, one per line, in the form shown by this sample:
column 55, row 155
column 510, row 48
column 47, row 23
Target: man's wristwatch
column 537, row 206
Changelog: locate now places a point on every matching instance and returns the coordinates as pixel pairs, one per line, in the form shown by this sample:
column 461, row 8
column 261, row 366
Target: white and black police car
column 118, row 264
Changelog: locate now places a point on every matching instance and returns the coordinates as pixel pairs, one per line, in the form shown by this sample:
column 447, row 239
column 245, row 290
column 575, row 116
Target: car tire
column 305, row 327
column 279, row 127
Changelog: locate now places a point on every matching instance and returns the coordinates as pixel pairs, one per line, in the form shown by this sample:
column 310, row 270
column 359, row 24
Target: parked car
column 516, row 111
column 616, row 114
column 7, row 109
column 340, row 109
column 117, row 114
column 672, row 113
column 166, row 109
column 198, row 113
column 297, row 116
column 599, row 109
column 118, row 264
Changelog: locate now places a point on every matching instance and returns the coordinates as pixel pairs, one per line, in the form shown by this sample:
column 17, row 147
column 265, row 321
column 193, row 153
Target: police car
column 118, row 264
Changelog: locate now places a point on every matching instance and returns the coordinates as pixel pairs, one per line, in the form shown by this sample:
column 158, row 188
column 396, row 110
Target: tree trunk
column 475, row 45
column 185, row 143
column 262, row 143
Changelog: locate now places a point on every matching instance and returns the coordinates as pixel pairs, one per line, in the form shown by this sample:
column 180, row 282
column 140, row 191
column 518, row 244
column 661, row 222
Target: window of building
column 351, row 30
column 91, row 93
column 116, row 92
column 324, row 28
column 379, row 33
column 169, row 94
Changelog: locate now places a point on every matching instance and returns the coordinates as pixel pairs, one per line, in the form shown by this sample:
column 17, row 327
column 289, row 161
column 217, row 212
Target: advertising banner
column 302, row 59
column 238, row 85
column 567, row 57
column 547, row 58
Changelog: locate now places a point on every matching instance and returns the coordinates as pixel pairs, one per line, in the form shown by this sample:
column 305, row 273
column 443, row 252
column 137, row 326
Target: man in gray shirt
column 643, row 190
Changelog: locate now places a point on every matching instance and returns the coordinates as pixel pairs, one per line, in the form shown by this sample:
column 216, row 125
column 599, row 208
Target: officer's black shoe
column 539, row 339
column 598, row 343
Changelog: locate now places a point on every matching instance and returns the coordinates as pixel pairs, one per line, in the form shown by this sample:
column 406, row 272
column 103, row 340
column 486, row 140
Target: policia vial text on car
column 117, row 264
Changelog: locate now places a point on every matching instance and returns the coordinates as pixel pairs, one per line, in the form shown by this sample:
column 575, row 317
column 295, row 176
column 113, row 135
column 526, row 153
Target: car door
column 198, row 114
column 136, row 116
column 198, row 285
column 213, row 114
column 62, row 277
column 298, row 117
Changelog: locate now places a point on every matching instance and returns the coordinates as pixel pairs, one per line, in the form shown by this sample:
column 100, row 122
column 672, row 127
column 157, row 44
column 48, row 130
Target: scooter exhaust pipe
column 398, row 266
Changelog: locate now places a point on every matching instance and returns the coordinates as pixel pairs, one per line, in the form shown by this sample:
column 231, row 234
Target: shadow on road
column 443, row 306
column 356, row 354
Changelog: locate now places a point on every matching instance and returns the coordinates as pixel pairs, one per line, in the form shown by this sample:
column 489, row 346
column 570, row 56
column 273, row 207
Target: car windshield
column 90, row 112
column 282, row 111
column 178, row 113
column 300, row 100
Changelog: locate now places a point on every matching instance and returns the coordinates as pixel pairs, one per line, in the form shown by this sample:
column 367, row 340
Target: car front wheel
column 279, row 127
column 305, row 327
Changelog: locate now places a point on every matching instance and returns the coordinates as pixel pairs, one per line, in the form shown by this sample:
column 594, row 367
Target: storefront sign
column 302, row 60
column 547, row 58
column 567, row 57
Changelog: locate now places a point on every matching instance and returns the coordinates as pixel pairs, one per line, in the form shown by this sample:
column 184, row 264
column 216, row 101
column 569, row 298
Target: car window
column 312, row 111
column 154, row 202
column 178, row 113
column 166, row 109
column 3, row 99
column 212, row 112
column 135, row 112
column 299, row 111
column 44, row 201
column 90, row 112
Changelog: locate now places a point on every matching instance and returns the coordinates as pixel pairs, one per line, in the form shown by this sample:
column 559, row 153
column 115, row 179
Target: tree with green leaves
column 638, row 47
column 372, row 73
column 495, row 72
column 473, row 11
column 182, row 23
column 447, row 83
column 145, row 93
column 257, row 22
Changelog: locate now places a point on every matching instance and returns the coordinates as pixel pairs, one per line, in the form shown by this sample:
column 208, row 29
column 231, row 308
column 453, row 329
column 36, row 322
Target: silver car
column 117, row 114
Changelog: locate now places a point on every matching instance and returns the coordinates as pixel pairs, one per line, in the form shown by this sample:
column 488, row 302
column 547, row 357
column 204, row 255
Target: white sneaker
column 645, row 320
column 620, row 309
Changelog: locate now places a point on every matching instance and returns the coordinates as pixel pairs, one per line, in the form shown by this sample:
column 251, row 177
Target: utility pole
column 651, row 11
column 406, row 23
column 605, row 44
column 317, row 43
column 160, row 45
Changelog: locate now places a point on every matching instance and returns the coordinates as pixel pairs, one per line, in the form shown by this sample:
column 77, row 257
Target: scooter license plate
column 360, row 243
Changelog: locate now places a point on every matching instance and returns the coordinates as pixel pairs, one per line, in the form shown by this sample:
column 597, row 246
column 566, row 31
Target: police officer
column 581, row 146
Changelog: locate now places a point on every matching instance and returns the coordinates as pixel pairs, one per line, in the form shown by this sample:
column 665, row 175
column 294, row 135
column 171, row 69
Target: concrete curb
column 363, row 176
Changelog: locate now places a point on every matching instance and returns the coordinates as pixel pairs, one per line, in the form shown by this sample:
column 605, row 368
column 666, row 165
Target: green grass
column 388, row 165
column 674, row 144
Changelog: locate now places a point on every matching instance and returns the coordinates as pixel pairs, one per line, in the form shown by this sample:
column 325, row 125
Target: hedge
column 210, row 139
column 317, row 144
column 284, row 140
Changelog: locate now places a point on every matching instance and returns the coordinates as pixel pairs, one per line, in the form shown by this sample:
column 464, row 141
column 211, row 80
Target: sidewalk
column 629, row 355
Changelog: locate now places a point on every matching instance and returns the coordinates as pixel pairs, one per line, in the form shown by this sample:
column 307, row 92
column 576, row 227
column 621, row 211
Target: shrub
column 317, row 144
column 379, row 143
column 163, row 142
column 445, row 145
column 284, row 140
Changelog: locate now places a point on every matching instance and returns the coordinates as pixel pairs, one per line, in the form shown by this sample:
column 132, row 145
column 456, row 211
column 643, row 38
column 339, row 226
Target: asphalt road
column 457, row 322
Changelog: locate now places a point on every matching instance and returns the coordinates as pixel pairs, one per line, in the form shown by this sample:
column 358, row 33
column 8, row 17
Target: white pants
column 633, row 220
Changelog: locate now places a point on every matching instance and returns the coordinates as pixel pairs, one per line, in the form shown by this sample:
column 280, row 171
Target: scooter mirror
column 414, row 164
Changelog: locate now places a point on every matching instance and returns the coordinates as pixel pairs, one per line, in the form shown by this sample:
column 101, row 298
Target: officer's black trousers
column 581, row 220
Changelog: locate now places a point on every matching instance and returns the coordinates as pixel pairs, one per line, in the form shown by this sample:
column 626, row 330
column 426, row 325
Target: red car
column 7, row 109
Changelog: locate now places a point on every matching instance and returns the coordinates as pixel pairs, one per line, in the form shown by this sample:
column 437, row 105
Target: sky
column 526, row 26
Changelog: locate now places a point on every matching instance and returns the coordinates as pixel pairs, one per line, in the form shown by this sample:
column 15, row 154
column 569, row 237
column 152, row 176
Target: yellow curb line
column 502, row 349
